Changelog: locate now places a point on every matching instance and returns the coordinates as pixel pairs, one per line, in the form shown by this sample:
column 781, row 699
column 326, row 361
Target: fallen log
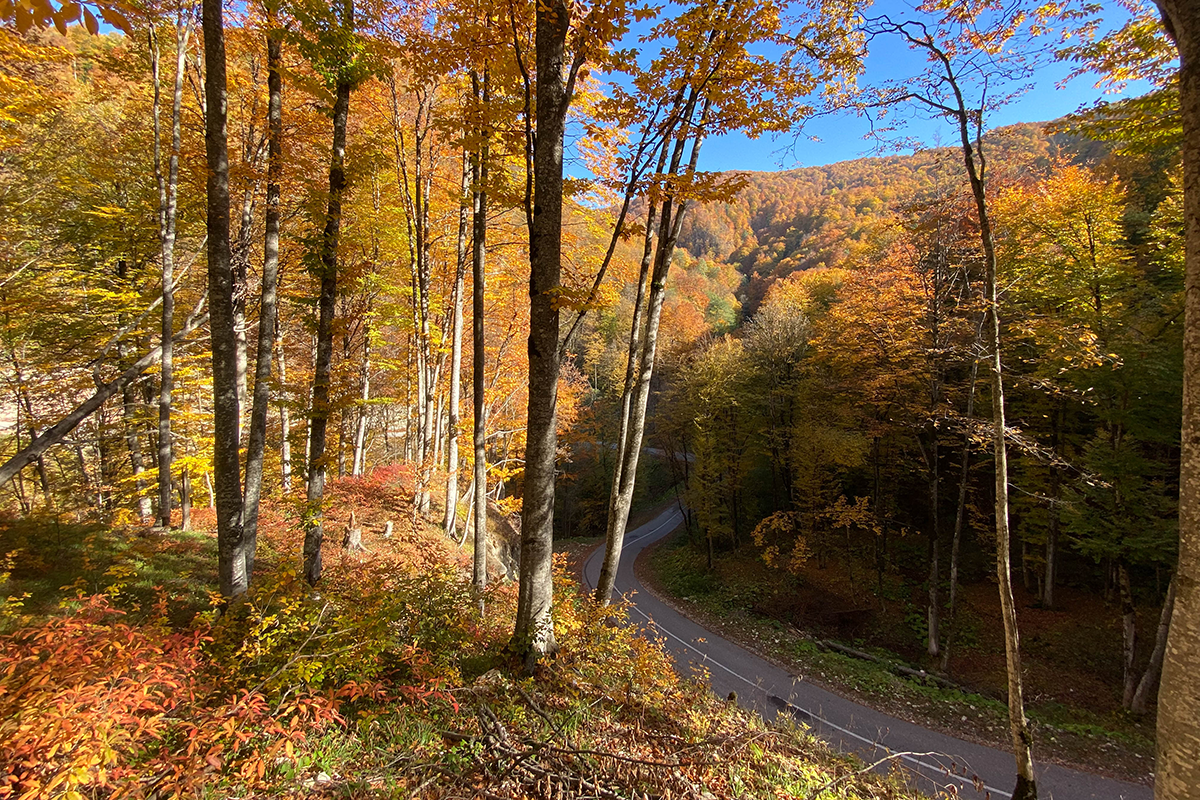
column 899, row 669
column 57, row 432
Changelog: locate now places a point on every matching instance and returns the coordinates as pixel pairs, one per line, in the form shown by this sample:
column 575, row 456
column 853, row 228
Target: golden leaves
column 28, row 14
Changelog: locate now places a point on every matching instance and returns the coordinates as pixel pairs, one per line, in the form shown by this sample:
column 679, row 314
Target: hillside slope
column 781, row 222
column 384, row 680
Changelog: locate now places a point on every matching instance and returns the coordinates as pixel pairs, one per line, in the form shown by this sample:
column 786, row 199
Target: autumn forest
column 390, row 395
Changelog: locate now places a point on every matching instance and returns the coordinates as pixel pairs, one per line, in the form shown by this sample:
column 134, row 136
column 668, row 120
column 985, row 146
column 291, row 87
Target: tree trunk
column 1128, row 635
column 133, row 442
column 933, row 640
column 1141, row 697
column 1051, row 575
column 456, row 337
column 319, row 416
column 479, row 177
column 1022, row 739
column 285, row 415
column 1177, row 768
column 185, row 499
column 359, row 464
column 168, row 187
column 256, row 442
column 633, row 406
column 959, row 524
column 533, row 634
column 231, row 560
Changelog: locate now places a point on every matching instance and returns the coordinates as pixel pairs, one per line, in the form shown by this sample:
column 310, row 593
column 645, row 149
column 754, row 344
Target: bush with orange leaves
column 94, row 704
column 90, row 703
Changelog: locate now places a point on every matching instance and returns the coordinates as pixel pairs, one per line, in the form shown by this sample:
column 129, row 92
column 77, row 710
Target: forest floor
column 121, row 672
column 1072, row 698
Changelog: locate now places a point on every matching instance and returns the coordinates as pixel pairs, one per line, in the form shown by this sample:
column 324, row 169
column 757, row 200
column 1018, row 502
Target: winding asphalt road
column 947, row 764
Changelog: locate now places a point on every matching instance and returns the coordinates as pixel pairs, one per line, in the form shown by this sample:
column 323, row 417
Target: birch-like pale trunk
column 479, row 175
column 285, row 414
column 168, row 191
column 1022, row 738
column 456, row 337
column 629, row 444
column 256, row 441
column 1145, row 688
column 359, row 461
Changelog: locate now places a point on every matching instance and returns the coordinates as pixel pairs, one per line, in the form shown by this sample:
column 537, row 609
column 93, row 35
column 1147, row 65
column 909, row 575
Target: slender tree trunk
column 240, row 254
column 1141, row 697
column 533, row 634
column 185, row 499
column 634, row 408
column 1177, row 768
column 168, row 186
column 257, row 438
column 1128, row 636
column 360, row 427
column 479, row 176
column 285, row 415
column 133, row 442
column 226, row 467
column 959, row 522
column 1022, row 739
column 933, row 640
column 57, row 432
column 456, row 337
column 319, row 416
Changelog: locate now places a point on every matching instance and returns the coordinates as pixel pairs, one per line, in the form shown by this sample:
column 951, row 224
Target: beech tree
column 701, row 82
column 1177, row 768
column 227, row 478
column 972, row 47
column 335, row 53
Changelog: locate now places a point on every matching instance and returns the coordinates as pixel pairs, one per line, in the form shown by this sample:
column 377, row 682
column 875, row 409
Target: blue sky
column 838, row 138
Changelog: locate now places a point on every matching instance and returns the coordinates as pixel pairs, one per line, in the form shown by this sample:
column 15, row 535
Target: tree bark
column 533, row 635
column 168, row 187
column 479, row 176
column 319, row 415
column 359, row 461
column 1177, row 767
column 231, row 561
column 256, row 441
column 1141, row 697
column 1128, row 635
column 456, row 337
column 959, row 523
column 285, row 414
column 630, row 443
column 1022, row 738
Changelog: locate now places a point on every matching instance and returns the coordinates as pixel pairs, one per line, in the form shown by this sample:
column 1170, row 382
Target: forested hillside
column 838, row 439
column 321, row 379
column 781, row 222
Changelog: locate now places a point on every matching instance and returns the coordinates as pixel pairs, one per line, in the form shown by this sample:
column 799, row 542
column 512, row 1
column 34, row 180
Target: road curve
column 947, row 764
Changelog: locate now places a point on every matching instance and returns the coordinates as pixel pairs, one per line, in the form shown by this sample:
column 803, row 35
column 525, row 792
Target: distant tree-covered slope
column 798, row 219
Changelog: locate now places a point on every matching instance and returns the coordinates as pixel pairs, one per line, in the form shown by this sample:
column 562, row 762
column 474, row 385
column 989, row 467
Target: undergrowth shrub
column 91, row 705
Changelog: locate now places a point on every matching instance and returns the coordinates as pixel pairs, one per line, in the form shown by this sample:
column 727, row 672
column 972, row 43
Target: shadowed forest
column 335, row 337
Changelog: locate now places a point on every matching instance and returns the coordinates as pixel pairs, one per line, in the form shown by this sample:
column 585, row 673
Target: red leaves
column 89, row 702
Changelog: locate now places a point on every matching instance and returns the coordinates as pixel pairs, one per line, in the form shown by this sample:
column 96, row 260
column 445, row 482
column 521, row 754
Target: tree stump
column 353, row 539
